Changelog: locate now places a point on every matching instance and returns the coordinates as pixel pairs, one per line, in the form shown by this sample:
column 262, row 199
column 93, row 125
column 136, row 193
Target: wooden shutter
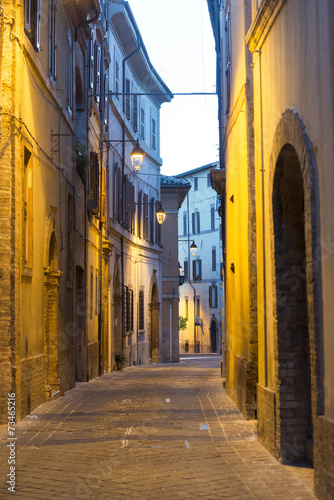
column 94, row 180
column 186, row 269
column 103, row 195
column 210, row 296
column 141, row 310
column 193, row 222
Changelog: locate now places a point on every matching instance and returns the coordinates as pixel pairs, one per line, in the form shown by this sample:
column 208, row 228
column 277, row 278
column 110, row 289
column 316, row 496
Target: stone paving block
column 73, row 447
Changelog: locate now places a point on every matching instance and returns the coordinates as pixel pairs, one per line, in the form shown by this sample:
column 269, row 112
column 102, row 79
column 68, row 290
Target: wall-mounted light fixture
column 193, row 248
column 160, row 213
column 137, row 156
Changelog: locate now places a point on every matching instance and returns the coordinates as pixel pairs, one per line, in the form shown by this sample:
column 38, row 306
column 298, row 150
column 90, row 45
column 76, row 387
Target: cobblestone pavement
column 157, row 432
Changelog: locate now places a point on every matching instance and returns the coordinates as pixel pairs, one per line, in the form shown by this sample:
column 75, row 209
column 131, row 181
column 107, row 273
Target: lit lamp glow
column 137, row 156
column 193, row 248
column 161, row 215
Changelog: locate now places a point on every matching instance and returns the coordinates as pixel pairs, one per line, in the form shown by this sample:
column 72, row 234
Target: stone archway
column 154, row 321
column 213, row 335
column 117, row 309
column 80, row 336
column 296, row 287
column 51, row 280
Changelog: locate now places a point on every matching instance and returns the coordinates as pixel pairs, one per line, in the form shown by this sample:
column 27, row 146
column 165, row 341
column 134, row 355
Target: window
column 127, row 99
column 198, row 309
column 195, row 183
column 214, row 262
column 91, row 60
column 154, row 145
column 97, row 71
column 91, row 295
column 53, row 40
column 94, row 181
column 196, row 222
column 128, row 309
column 27, row 209
column 152, row 220
column 106, row 105
column 140, row 214
column 69, row 237
column 96, row 292
column 32, row 22
column 117, row 79
column 197, row 270
column 185, row 224
column 141, row 310
column 212, row 210
column 213, row 296
column 208, row 181
column 145, row 211
column 142, row 124
column 228, row 61
column 69, row 73
column 135, row 113
column 186, row 270
column 186, row 308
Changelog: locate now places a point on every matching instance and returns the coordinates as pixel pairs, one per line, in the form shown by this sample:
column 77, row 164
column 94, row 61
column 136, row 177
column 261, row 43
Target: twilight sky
column 179, row 41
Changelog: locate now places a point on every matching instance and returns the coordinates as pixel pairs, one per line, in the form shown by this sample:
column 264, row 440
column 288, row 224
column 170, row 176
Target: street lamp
column 161, row 215
column 193, row 248
column 137, row 156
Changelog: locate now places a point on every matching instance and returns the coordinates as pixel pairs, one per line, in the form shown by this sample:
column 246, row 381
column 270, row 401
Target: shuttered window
column 141, row 310
column 94, row 180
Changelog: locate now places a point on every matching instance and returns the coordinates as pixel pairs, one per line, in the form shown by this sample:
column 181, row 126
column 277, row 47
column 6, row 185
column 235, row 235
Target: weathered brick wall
column 266, row 423
column 66, row 360
column 241, row 376
column 324, row 458
column 32, row 383
column 93, row 359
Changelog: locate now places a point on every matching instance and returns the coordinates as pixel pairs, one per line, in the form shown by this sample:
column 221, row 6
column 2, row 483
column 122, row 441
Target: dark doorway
column 294, row 390
column 80, row 344
column 213, row 336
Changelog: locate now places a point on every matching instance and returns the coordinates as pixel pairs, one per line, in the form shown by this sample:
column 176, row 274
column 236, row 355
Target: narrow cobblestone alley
column 163, row 431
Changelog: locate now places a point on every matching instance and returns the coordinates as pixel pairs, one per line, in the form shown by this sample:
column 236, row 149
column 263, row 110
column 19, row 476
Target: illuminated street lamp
column 161, row 215
column 193, row 248
column 137, row 156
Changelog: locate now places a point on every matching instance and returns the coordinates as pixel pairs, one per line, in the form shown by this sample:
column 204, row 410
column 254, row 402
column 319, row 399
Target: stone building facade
column 70, row 244
column 173, row 193
column 275, row 60
column 201, row 296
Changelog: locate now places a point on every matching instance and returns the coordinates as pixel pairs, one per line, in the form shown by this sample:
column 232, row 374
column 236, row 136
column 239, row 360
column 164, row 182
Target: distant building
column 201, row 295
column 136, row 95
column 173, row 192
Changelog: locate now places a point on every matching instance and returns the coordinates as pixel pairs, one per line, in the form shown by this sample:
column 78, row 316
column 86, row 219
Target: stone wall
column 93, row 359
column 32, row 383
column 324, row 458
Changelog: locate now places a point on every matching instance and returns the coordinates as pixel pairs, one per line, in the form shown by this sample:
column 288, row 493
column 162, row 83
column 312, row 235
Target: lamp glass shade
column 193, row 248
column 161, row 215
column 137, row 156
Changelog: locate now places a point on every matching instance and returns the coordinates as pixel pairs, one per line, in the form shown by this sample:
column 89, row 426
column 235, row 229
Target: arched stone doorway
column 213, row 335
column 51, row 280
column 291, row 306
column 80, row 338
column 117, row 309
column 154, row 321
column 296, row 286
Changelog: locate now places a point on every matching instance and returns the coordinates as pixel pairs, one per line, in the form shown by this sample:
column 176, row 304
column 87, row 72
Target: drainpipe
column 86, row 23
column 263, row 229
column 123, row 179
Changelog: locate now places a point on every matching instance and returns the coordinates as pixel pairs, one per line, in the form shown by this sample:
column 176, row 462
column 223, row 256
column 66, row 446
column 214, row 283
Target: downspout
column 123, row 178
column 263, row 229
column 86, row 23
